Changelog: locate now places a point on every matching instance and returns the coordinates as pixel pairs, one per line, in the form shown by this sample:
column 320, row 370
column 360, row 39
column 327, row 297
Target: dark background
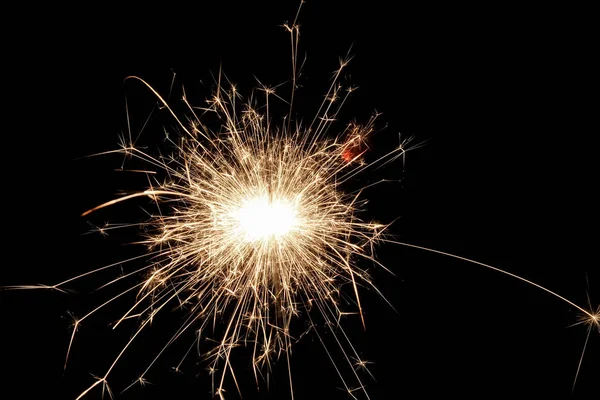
column 503, row 97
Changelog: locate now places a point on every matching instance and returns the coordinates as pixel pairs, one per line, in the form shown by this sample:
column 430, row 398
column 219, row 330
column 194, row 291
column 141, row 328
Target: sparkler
column 258, row 230
column 253, row 228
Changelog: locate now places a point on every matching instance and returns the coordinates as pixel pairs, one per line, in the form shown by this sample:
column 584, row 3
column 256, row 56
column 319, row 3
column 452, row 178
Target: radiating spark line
column 587, row 337
column 149, row 193
column 589, row 317
column 583, row 310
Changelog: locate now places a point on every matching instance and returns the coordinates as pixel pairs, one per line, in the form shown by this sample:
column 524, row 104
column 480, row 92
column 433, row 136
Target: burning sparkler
column 258, row 229
column 253, row 228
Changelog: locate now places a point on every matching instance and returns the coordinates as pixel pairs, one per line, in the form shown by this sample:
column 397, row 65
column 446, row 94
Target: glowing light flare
column 261, row 218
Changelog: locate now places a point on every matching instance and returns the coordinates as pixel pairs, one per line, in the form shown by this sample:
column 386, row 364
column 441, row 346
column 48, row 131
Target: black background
column 503, row 97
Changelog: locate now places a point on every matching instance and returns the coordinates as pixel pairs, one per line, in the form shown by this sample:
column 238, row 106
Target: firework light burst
column 253, row 226
column 253, row 229
column 257, row 229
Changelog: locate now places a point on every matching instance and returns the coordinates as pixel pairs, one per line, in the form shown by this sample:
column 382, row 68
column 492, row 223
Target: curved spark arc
column 414, row 246
column 589, row 317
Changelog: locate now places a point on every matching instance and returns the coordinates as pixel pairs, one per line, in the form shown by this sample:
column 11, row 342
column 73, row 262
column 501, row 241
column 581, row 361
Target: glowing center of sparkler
column 263, row 218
